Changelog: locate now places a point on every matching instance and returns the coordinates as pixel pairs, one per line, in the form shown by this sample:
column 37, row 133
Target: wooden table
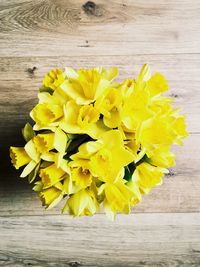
column 39, row 35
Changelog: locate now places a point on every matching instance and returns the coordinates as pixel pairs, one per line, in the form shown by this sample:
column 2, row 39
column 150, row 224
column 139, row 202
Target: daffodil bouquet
column 97, row 142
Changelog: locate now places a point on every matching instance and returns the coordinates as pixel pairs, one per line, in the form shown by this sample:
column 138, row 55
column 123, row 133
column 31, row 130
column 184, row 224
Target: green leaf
column 128, row 174
column 45, row 164
column 28, row 132
column 38, row 186
column 143, row 159
column 33, row 174
column 76, row 142
column 46, row 89
column 129, row 170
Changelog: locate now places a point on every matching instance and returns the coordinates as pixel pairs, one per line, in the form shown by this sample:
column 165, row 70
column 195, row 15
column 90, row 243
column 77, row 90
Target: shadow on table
column 9, row 177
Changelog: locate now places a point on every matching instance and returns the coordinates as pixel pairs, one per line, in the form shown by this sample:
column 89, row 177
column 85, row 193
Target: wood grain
column 110, row 28
column 179, row 192
column 21, row 78
column 35, row 36
column 135, row 240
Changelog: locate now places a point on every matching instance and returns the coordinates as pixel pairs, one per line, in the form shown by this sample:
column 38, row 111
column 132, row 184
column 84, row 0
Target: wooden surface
column 35, row 36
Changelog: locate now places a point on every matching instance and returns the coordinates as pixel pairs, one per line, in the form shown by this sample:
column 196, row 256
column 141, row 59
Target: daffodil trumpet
column 99, row 143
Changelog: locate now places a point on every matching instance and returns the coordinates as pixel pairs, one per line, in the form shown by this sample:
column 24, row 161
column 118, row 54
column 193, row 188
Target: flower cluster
column 97, row 142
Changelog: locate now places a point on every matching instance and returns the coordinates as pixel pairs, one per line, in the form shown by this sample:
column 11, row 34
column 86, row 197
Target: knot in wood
column 89, row 7
column 92, row 9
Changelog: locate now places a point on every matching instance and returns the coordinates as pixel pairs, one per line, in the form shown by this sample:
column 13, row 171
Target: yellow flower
column 82, row 120
column 44, row 114
column 50, row 197
column 44, row 142
column 32, row 151
column 147, row 176
column 85, row 86
column 81, row 174
column 161, row 104
column 118, row 196
column 126, row 87
column 162, row 157
column 99, row 142
column 135, row 109
column 179, row 128
column 109, row 105
column 108, row 155
column 137, row 194
column 130, row 143
column 157, row 84
column 84, row 154
column 58, row 97
column 69, row 186
column 19, row 157
column 61, row 141
column 155, row 132
column 112, row 157
column 82, row 203
column 87, row 115
column 51, row 175
column 143, row 76
column 53, row 79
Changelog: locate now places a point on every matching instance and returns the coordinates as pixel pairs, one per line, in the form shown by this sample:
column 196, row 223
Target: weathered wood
column 21, row 78
column 42, row 34
column 114, row 27
column 179, row 192
column 135, row 240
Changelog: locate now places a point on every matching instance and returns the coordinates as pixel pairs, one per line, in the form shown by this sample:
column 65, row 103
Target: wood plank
column 179, row 192
column 113, row 27
column 164, row 230
column 19, row 84
column 135, row 240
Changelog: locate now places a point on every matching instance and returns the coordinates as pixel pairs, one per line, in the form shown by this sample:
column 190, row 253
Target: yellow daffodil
column 147, row 176
column 108, row 148
column 87, row 115
column 82, row 177
column 44, row 114
column 109, row 105
column 44, row 142
column 82, row 203
column 82, row 120
column 161, row 105
column 136, row 192
column 53, row 79
column 179, row 128
column 58, row 97
column 162, row 157
column 155, row 132
column 130, row 143
column 117, row 195
column 50, row 197
column 61, row 140
column 85, row 86
column 157, row 84
column 99, row 142
column 135, row 109
column 19, row 157
column 22, row 156
column 51, row 175
column 80, row 173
